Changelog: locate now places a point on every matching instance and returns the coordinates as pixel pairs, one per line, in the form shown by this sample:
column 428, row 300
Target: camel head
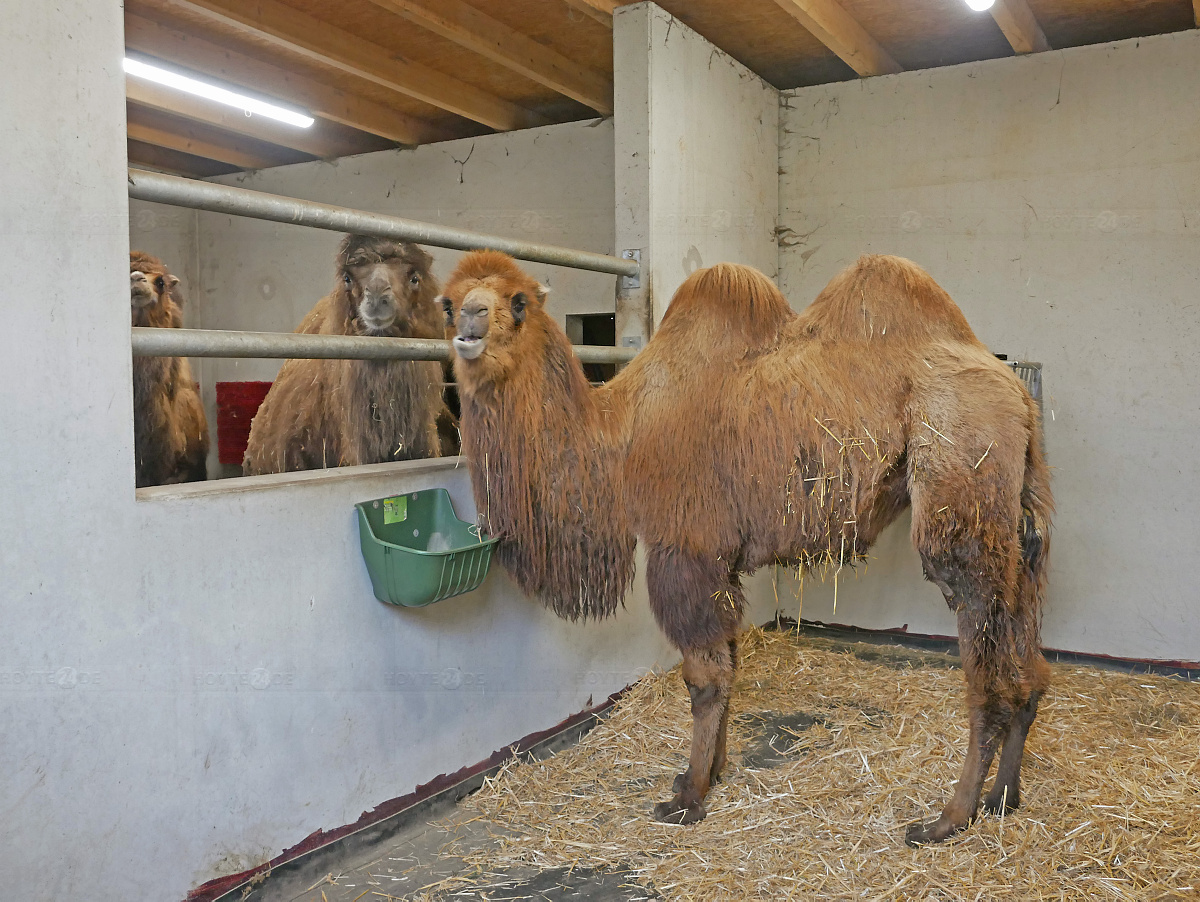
column 492, row 307
column 152, row 290
column 383, row 285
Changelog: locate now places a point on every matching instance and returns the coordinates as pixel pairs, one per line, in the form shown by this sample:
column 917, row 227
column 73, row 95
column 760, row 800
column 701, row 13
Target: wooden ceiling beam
column 168, row 100
column 167, row 43
column 475, row 30
column 309, row 38
column 1020, row 26
column 838, row 30
column 185, row 140
column 602, row 10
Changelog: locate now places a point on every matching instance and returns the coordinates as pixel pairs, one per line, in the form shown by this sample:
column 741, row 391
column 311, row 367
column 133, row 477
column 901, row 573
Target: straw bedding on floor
column 833, row 750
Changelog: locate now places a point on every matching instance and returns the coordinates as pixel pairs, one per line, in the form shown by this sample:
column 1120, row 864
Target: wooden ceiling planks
column 172, row 162
column 840, row 32
column 381, row 72
column 1020, row 26
column 1076, row 23
column 309, row 38
column 249, row 65
column 474, row 30
column 406, row 40
column 322, row 139
column 188, row 136
column 764, row 38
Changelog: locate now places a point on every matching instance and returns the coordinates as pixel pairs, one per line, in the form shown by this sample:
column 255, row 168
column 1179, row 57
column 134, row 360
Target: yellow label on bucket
column 395, row 510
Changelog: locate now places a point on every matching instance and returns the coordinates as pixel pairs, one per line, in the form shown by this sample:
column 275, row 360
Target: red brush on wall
column 237, row 403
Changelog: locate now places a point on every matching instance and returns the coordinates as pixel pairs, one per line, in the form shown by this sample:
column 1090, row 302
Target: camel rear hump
column 885, row 296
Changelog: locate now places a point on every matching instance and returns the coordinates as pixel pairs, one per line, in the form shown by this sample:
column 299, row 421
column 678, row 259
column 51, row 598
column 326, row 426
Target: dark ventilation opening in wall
column 594, row 329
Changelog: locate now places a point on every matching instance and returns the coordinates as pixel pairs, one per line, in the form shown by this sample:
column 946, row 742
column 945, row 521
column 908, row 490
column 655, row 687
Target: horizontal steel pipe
column 149, row 342
column 181, row 192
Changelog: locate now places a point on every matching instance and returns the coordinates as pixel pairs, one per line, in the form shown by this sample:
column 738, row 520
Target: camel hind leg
column 1005, row 794
column 966, row 525
column 698, row 603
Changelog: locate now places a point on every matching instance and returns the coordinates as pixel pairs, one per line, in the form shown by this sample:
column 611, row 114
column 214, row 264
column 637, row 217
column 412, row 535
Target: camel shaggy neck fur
column 746, row 435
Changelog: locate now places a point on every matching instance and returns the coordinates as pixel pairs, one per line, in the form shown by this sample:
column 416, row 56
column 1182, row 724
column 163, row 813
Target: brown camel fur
column 170, row 432
column 747, row 435
column 337, row 413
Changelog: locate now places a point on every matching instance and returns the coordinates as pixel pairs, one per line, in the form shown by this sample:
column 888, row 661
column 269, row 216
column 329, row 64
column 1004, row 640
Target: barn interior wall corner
column 697, row 155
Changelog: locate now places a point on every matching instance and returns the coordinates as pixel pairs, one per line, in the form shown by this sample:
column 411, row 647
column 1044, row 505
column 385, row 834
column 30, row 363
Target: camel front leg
column 708, row 673
column 719, row 752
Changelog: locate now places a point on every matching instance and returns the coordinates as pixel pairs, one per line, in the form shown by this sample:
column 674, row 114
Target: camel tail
column 1037, row 508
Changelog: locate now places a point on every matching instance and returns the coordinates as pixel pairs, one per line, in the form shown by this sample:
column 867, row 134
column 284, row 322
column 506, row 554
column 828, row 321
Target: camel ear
column 172, row 281
column 542, row 292
column 518, row 307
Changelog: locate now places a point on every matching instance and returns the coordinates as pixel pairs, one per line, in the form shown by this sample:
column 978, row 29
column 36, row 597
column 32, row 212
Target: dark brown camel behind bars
column 746, row 435
column 334, row 413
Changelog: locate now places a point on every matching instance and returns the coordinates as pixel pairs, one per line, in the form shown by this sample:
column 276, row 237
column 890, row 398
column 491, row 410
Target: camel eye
column 346, row 279
column 448, row 306
column 158, row 283
column 415, row 279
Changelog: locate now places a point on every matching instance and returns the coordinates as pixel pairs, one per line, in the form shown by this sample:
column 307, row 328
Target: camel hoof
column 677, row 812
column 994, row 801
column 924, row 834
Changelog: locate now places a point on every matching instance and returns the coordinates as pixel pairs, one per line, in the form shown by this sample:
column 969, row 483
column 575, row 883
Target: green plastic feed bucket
column 417, row 551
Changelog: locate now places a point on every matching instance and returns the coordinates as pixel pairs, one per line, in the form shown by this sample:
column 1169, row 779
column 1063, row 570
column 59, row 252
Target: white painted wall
column 696, row 158
column 1057, row 198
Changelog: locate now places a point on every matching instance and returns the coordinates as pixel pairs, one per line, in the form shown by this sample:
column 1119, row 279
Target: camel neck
column 547, row 481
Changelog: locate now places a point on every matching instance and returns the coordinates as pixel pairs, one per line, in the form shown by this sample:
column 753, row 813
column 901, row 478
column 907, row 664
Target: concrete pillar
column 697, row 161
column 697, row 156
column 66, row 442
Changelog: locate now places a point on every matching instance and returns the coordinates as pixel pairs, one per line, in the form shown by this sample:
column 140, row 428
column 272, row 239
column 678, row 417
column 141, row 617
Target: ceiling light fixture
column 980, row 5
column 211, row 92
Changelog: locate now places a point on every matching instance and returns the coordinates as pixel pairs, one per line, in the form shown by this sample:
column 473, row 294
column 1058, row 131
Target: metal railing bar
column 151, row 342
column 182, row 192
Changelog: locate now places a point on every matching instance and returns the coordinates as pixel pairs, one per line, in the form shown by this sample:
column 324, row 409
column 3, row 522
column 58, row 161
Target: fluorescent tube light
column 139, row 69
column 980, row 5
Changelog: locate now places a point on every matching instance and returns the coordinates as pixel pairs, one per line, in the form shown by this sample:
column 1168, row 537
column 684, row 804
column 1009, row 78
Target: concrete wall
column 1057, row 198
column 696, row 159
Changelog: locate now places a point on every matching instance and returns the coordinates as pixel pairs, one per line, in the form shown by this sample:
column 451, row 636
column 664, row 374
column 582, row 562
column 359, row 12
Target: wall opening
column 594, row 329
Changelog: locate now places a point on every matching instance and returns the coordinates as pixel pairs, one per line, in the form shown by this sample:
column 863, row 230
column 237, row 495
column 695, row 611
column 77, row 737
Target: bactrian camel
column 335, row 413
column 747, row 435
column 170, row 431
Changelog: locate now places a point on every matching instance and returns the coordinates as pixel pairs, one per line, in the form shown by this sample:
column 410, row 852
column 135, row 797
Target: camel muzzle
column 471, row 340
column 469, row 347
column 378, row 312
column 140, row 294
